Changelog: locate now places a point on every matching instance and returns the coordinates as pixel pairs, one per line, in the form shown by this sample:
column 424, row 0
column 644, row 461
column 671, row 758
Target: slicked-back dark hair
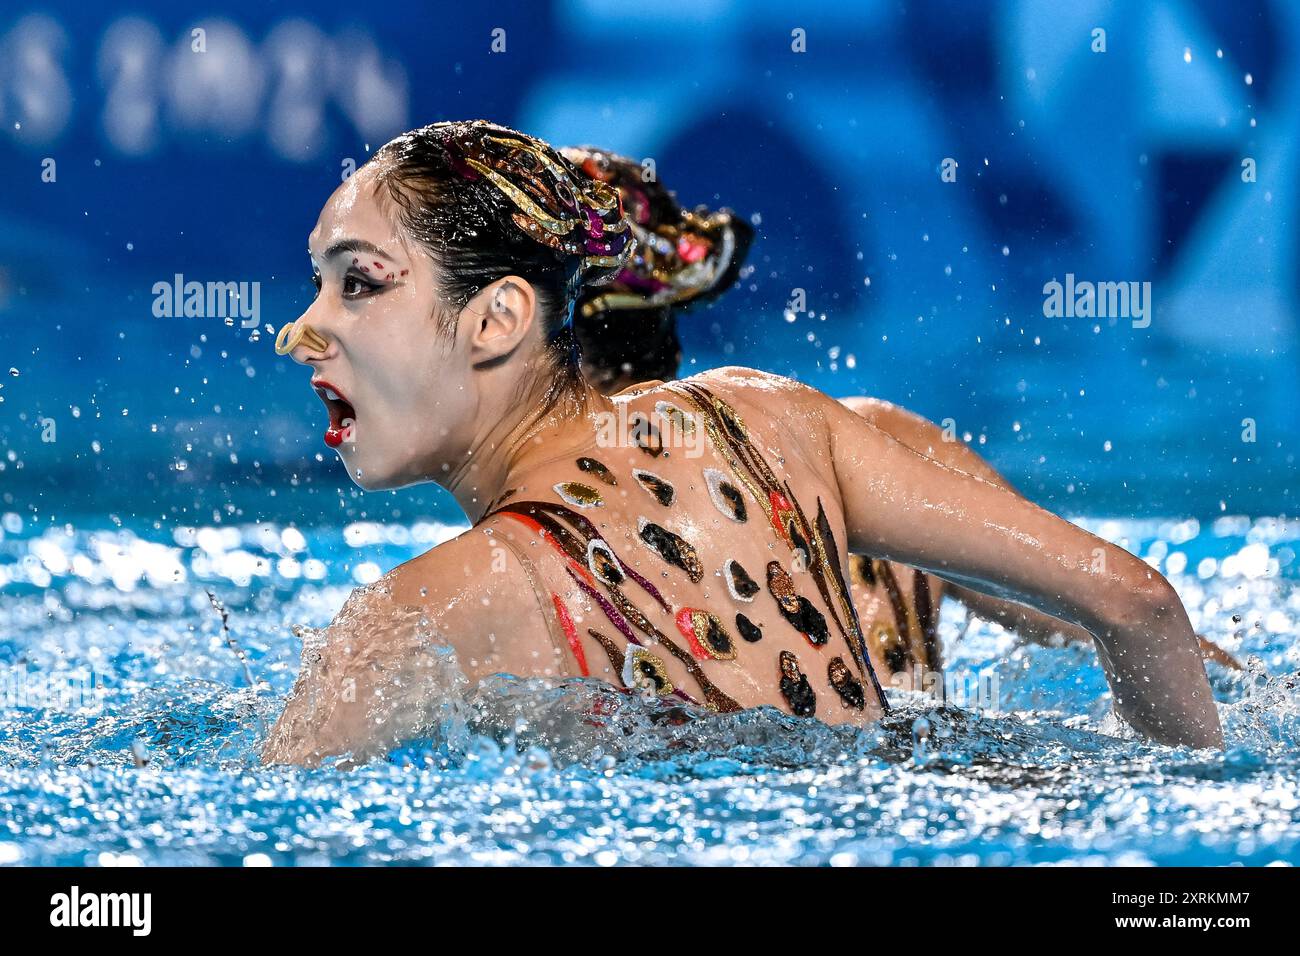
column 465, row 225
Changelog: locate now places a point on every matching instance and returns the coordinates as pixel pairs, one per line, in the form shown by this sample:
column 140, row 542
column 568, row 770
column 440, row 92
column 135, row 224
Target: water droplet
column 140, row 753
column 920, row 734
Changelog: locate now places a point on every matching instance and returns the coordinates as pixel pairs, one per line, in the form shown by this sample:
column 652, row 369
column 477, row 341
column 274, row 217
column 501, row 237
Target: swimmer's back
column 696, row 549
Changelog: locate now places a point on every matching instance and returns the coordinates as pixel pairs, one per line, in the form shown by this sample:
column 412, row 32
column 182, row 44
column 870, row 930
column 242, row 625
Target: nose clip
column 298, row 333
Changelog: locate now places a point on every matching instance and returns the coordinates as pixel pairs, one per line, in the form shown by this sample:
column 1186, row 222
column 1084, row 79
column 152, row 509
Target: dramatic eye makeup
column 356, row 286
column 377, row 268
column 370, row 269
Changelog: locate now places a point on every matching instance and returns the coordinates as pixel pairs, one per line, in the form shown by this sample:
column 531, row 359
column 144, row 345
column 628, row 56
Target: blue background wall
column 1115, row 166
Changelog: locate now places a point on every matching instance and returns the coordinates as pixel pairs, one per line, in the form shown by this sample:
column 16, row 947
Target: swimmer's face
column 397, row 392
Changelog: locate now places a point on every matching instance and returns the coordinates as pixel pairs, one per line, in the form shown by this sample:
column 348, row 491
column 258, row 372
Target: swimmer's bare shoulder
column 481, row 600
column 383, row 667
column 785, row 411
column 798, row 412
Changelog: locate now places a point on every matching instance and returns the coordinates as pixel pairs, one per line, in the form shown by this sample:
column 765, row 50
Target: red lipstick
column 343, row 415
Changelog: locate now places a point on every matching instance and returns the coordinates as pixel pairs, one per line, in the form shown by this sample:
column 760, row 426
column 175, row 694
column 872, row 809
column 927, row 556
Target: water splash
column 136, row 736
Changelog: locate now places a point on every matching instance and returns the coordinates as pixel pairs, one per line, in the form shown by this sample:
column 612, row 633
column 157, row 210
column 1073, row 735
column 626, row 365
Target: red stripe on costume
column 566, row 622
column 687, row 627
column 780, row 509
column 550, row 539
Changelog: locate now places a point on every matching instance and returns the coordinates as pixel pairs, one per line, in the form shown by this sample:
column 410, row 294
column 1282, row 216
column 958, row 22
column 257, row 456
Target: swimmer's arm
column 922, row 435
column 383, row 673
column 926, row 438
column 904, row 506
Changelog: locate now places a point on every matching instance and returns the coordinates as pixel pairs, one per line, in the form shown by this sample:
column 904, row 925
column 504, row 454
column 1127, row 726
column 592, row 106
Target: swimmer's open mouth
column 343, row 417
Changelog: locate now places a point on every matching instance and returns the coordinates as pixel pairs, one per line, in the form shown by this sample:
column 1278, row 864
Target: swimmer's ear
column 499, row 317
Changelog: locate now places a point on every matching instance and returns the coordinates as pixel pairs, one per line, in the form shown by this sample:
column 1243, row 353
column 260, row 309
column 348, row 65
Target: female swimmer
column 685, row 539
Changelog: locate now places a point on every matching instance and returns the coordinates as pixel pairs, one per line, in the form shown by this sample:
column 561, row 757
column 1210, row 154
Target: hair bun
column 680, row 256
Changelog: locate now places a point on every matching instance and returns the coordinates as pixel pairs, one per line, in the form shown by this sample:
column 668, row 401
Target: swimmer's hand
column 905, row 506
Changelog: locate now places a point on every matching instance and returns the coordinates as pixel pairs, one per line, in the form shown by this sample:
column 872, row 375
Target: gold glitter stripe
column 754, row 475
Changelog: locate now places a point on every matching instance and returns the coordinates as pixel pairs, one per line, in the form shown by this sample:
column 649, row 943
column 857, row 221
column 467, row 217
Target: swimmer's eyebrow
column 355, row 245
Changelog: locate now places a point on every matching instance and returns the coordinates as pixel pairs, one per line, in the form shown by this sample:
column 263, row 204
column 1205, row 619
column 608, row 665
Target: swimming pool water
column 128, row 729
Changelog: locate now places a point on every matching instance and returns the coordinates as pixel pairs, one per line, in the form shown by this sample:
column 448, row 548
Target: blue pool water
column 128, row 729
column 147, row 459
